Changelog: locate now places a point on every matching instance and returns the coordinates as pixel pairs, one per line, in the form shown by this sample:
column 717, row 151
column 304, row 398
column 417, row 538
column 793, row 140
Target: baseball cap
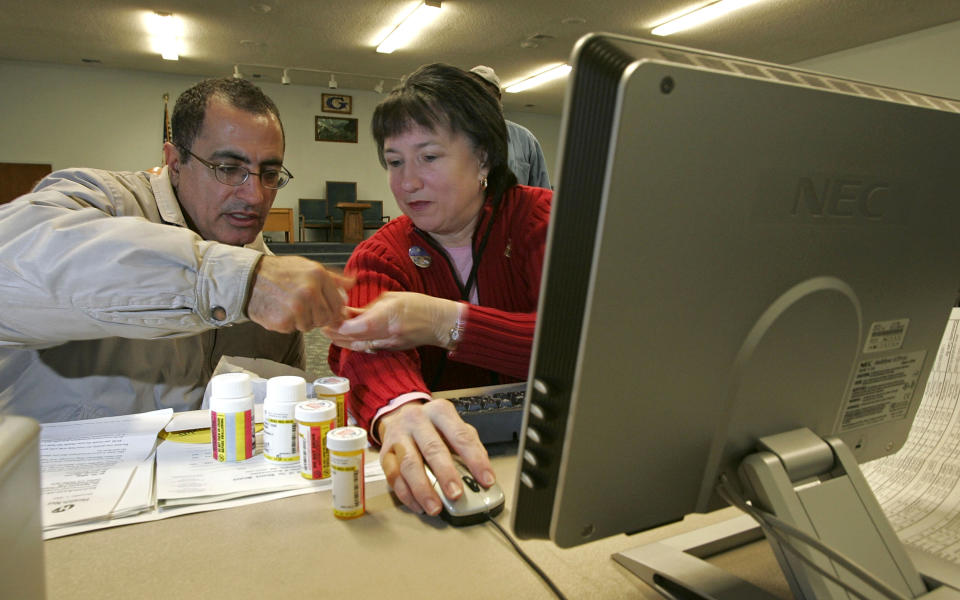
column 487, row 73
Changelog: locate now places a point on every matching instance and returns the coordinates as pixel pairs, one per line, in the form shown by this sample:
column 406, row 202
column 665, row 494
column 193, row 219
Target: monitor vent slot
column 760, row 70
column 716, row 64
column 750, row 70
column 784, row 76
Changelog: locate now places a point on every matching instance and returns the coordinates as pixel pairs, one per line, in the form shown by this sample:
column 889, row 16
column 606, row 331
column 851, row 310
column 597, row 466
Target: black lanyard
column 476, row 252
column 465, row 288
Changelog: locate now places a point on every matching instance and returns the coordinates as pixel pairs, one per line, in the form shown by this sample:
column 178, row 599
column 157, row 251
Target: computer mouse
column 474, row 505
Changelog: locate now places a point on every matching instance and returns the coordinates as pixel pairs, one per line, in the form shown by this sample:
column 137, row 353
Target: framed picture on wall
column 336, row 129
column 337, row 103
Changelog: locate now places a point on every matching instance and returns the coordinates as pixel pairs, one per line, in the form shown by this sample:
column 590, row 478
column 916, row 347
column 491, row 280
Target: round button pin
column 420, row 257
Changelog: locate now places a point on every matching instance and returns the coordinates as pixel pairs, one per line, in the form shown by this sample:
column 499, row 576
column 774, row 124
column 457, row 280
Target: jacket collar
column 167, row 202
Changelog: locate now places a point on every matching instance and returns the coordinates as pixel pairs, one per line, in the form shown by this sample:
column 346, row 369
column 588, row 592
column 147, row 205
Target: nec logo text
column 841, row 198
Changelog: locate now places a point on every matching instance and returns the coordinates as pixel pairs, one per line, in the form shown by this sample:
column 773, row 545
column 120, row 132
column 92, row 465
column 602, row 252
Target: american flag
column 167, row 131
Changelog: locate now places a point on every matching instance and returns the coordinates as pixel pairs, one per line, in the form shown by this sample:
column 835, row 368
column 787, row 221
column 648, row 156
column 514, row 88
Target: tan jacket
column 107, row 300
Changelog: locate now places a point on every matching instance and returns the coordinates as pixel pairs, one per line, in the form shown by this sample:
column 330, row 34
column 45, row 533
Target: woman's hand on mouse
column 416, row 433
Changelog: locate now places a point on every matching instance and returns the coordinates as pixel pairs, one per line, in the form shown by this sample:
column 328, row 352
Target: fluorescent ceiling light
column 165, row 32
column 554, row 72
column 700, row 16
column 402, row 34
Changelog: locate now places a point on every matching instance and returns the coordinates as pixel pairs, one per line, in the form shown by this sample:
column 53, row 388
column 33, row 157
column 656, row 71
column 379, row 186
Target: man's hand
column 293, row 293
column 414, row 433
column 398, row 321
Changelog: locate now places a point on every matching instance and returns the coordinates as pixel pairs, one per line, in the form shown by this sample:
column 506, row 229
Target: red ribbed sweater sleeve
column 498, row 334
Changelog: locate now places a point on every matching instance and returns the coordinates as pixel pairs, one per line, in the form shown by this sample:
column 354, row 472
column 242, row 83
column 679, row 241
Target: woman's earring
column 483, row 182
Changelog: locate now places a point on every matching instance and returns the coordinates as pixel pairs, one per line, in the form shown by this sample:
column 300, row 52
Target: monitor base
column 815, row 486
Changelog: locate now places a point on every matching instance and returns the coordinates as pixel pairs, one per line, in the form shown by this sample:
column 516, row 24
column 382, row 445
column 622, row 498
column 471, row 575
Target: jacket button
column 219, row 313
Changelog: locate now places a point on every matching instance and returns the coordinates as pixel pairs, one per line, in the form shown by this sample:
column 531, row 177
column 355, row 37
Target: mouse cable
column 529, row 561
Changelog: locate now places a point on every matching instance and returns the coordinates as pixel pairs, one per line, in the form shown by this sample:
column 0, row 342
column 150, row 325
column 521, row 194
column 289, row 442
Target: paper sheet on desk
column 87, row 467
column 919, row 486
column 373, row 473
column 188, row 474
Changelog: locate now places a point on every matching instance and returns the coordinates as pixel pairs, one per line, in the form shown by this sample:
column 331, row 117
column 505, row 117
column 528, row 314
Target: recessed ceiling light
column 573, row 21
column 261, row 8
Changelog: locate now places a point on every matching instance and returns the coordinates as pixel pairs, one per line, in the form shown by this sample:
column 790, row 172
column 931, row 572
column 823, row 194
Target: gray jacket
column 525, row 156
column 107, row 300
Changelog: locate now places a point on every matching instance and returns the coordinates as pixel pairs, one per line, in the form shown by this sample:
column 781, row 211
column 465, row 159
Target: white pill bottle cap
column 331, row 386
column 316, row 411
column 346, row 439
column 231, row 392
column 285, row 389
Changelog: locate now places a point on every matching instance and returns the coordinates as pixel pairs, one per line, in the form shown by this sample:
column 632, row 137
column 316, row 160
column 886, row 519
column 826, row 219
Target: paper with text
column 88, row 466
column 919, row 486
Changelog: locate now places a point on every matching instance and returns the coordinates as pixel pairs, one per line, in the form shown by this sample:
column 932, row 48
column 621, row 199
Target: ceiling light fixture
column 236, row 72
column 165, row 31
column 410, row 26
column 711, row 11
column 332, row 84
column 285, row 78
column 554, row 72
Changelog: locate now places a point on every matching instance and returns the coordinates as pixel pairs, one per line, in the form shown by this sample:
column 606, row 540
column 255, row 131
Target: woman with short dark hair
column 449, row 290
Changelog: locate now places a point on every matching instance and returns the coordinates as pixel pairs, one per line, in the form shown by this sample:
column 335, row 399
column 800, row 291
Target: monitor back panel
column 767, row 255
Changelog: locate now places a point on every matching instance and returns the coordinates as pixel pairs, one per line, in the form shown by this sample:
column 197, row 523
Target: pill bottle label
column 334, row 389
column 280, row 437
column 314, row 458
column 233, row 435
column 347, row 469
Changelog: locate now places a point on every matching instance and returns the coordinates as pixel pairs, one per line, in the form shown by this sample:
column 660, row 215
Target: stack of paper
column 919, row 486
column 98, row 469
column 188, row 474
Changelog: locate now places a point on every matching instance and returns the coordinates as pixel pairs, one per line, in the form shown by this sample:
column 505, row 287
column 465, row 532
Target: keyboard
column 495, row 410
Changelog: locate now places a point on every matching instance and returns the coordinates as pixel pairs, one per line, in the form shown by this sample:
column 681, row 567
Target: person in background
column 120, row 291
column 525, row 156
column 448, row 291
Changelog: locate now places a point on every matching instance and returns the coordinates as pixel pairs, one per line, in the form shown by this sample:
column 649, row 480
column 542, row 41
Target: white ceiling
column 515, row 37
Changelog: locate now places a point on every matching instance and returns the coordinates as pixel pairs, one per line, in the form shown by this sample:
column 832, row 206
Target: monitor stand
column 814, row 485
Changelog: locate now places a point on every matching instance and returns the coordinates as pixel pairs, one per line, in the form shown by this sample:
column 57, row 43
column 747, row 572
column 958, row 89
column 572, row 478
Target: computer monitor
column 736, row 250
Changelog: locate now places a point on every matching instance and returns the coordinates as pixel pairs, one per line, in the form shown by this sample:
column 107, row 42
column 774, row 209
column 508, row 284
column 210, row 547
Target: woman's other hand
column 398, row 321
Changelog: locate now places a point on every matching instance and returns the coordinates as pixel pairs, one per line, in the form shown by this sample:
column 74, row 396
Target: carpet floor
column 317, row 345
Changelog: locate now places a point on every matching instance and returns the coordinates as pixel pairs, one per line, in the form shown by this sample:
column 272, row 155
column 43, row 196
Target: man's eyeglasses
column 236, row 175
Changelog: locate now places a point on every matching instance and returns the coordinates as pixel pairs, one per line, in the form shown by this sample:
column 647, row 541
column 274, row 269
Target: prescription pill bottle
column 334, row 389
column 231, row 417
column 315, row 418
column 279, row 418
column 346, row 446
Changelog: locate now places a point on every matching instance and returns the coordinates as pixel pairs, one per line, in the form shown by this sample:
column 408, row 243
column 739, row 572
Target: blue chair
column 314, row 214
column 373, row 217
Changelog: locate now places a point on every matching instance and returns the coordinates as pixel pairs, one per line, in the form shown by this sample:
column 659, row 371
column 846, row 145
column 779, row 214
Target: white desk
column 296, row 548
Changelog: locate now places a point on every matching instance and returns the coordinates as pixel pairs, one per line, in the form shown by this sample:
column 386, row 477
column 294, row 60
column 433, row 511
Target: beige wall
column 96, row 117
column 111, row 119
column 925, row 61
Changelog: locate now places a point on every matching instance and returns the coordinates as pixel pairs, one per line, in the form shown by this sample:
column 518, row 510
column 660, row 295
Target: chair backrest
column 375, row 212
column 313, row 209
column 341, row 191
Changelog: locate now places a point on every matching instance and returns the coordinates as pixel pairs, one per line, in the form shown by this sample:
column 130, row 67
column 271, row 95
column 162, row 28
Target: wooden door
column 16, row 179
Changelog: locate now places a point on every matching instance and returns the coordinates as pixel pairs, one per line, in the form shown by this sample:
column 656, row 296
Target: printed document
column 919, row 486
column 86, row 467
